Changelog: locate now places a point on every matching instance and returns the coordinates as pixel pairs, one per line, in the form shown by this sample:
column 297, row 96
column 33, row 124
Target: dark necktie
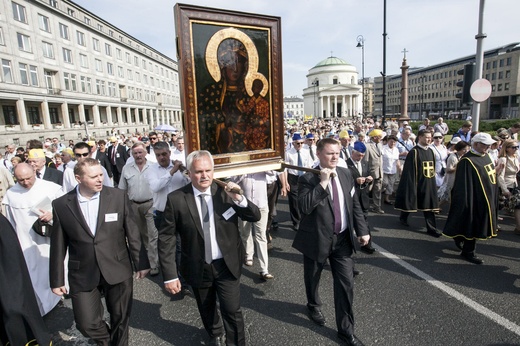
column 337, row 208
column 114, row 154
column 38, row 175
column 300, row 164
column 206, row 228
column 345, row 153
column 64, row 166
column 312, row 154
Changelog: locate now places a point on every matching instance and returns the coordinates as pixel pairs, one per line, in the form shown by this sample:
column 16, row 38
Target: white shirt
column 179, row 156
column 89, row 209
column 135, row 182
column 390, row 158
column 291, row 157
column 255, row 188
column 162, row 183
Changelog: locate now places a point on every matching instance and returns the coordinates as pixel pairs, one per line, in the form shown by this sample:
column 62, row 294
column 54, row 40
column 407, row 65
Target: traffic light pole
column 479, row 61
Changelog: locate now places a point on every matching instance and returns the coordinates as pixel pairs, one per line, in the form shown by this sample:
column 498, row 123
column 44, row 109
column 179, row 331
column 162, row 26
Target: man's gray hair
column 197, row 155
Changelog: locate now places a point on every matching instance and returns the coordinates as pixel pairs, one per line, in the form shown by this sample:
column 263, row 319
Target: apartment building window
column 24, row 42
column 500, row 74
column 67, row 55
column 128, row 60
column 143, row 63
column 120, row 72
column 488, row 65
column 495, row 64
column 64, row 31
column 10, row 115
column 66, row 80
column 24, row 74
column 83, row 60
column 138, row 77
column 110, row 69
column 34, row 75
column 86, row 84
column 33, row 115
column 99, row 65
column 48, row 50
column 44, row 23
column 508, row 61
column 112, row 90
column 493, row 76
column 501, row 63
column 80, row 37
column 86, row 20
column 95, row 44
column 499, row 87
column 54, row 115
column 2, row 41
column 108, row 49
column 53, row 3
column 119, row 54
column 508, row 74
column 110, row 33
column 145, row 79
column 100, row 27
column 136, row 61
column 71, row 12
column 19, row 13
column 506, row 86
column 73, row 84
column 130, row 75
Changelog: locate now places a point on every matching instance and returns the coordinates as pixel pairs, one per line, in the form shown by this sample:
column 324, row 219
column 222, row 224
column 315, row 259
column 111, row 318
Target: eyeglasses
column 437, row 137
column 153, row 138
column 298, row 143
column 82, row 154
column 515, row 147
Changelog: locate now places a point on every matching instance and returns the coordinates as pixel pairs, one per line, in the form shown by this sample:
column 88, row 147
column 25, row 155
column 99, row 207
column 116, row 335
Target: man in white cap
column 28, row 208
column 473, row 213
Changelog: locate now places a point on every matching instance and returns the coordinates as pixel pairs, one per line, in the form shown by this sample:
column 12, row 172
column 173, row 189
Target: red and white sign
column 480, row 90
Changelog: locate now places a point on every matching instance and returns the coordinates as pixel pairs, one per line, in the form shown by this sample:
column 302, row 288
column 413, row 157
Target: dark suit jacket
column 104, row 161
column 362, row 192
column 121, row 158
column 107, row 253
column 181, row 218
column 314, row 237
column 52, row 174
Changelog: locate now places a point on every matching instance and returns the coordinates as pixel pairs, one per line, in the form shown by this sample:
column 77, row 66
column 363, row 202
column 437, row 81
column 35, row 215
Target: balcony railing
column 52, row 91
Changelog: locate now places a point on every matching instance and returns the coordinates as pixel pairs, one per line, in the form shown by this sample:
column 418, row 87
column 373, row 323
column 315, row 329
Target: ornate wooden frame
column 200, row 31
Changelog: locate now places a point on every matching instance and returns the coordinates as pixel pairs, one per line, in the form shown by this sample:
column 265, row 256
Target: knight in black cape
column 474, row 196
column 20, row 319
column 417, row 190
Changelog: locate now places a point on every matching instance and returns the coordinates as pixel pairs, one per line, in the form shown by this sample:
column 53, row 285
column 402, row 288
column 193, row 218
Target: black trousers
column 273, row 190
column 342, row 266
column 88, row 312
column 429, row 218
column 116, row 175
column 293, row 199
column 218, row 282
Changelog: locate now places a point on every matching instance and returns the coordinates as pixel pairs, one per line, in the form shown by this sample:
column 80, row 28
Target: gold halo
column 252, row 57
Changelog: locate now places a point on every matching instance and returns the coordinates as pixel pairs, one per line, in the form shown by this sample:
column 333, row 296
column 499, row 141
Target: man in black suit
column 117, row 154
column 205, row 217
column 102, row 157
column 361, row 173
column 95, row 225
column 331, row 213
column 36, row 159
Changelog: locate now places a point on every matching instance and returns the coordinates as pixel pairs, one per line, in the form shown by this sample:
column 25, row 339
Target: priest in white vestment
column 25, row 203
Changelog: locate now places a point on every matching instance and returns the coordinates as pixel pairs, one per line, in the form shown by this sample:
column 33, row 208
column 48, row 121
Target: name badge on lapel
column 111, row 217
column 228, row 213
column 352, row 192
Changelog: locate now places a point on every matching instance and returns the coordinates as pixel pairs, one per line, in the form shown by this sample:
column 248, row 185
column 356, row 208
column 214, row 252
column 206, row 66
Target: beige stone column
column 128, row 116
column 97, row 117
column 136, row 114
column 22, row 114
column 110, row 122
column 145, row 116
column 44, row 108
column 343, row 106
column 350, row 105
column 81, row 111
column 65, row 115
column 404, row 89
column 119, row 112
column 320, row 110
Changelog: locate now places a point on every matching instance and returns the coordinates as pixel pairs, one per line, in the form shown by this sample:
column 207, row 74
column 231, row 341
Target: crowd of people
column 89, row 214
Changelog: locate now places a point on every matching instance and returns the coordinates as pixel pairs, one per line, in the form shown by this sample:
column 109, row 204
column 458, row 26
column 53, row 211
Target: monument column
column 404, row 87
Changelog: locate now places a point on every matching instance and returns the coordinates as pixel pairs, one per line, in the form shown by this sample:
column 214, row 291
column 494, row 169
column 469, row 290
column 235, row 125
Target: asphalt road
column 415, row 290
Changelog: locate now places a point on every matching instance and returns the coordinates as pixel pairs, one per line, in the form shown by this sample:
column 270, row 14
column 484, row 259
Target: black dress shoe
column 470, row 257
column 316, row 316
column 357, row 272
column 459, row 243
column 435, row 234
column 217, row 341
column 350, row 340
column 404, row 222
column 368, row 249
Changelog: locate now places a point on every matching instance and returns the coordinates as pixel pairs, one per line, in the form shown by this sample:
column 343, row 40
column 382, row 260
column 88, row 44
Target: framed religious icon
column 230, row 68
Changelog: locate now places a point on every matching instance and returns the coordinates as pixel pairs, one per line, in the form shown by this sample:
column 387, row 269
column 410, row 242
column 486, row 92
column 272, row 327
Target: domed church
column 332, row 90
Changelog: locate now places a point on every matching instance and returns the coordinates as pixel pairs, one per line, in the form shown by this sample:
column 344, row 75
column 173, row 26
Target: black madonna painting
column 230, row 66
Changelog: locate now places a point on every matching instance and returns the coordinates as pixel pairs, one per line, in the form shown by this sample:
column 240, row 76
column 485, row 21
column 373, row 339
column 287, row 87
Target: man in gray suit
column 95, row 224
column 331, row 213
column 374, row 157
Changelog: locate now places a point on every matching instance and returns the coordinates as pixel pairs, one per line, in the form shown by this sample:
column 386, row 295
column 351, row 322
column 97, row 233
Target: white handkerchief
column 352, row 192
column 228, row 213
column 111, row 217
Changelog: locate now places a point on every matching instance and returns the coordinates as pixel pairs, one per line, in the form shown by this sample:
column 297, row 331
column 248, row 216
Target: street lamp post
column 315, row 84
column 361, row 44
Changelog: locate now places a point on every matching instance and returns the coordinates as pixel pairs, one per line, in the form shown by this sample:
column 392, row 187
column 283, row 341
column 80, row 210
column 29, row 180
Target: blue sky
column 431, row 31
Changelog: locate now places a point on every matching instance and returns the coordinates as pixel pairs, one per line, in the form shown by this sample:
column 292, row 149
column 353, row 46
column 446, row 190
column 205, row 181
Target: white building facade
column 293, row 107
column 332, row 90
column 65, row 70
